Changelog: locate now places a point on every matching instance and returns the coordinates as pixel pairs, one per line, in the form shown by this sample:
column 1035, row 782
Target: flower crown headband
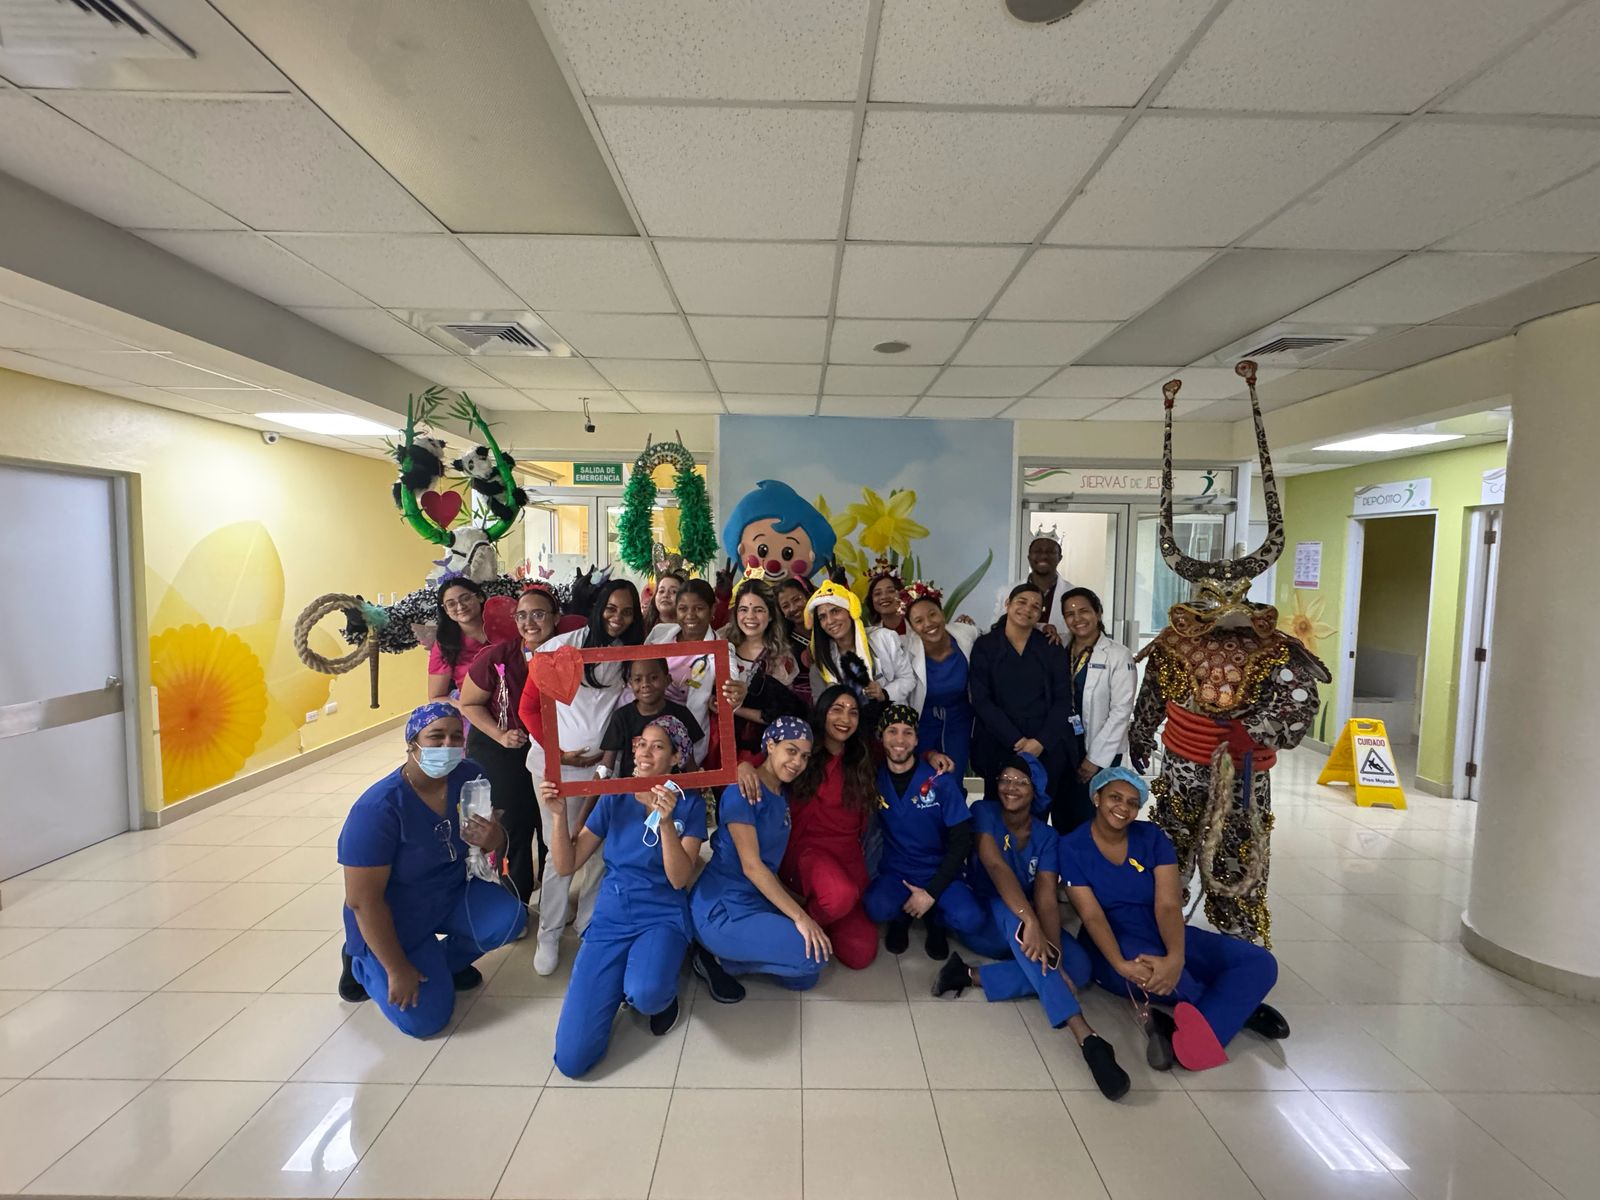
column 921, row 589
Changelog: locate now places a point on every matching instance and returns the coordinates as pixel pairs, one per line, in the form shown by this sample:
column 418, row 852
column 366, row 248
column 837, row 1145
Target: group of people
column 855, row 729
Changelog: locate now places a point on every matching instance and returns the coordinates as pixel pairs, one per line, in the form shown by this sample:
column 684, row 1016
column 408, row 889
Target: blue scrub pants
column 485, row 918
column 950, row 734
column 957, row 908
column 751, row 940
column 1224, row 977
column 641, row 970
column 1017, row 975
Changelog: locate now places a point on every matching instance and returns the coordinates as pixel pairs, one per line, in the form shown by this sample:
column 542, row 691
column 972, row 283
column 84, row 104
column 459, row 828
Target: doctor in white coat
column 1104, row 683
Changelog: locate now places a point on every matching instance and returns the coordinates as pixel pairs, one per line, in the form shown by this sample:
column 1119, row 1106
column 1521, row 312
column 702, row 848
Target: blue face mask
column 438, row 761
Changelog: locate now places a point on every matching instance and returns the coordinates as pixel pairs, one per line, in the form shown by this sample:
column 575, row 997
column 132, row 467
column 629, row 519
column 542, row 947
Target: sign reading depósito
column 1408, row 495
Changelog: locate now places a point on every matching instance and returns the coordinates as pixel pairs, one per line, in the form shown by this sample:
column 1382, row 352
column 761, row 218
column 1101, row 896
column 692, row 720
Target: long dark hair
column 775, row 640
column 449, row 636
column 860, row 776
column 1094, row 603
column 633, row 635
column 1024, row 586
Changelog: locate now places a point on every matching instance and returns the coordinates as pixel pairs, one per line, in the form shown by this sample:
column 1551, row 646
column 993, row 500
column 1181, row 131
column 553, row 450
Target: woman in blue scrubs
column 640, row 931
column 939, row 653
column 927, row 839
column 745, row 920
column 1122, row 877
column 404, row 853
column 1014, row 875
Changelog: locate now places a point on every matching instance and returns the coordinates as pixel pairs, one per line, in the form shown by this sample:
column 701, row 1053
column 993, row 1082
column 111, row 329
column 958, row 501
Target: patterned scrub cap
column 677, row 734
column 898, row 714
column 426, row 714
column 787, row 729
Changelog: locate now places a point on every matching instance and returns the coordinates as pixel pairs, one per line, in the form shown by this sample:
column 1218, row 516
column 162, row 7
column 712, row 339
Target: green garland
column 633, row 526
column 697, row 539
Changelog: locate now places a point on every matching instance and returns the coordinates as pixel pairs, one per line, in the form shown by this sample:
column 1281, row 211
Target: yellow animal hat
column 839, row 596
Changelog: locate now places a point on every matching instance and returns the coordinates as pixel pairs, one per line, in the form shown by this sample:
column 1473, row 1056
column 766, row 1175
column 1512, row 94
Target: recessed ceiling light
column 1042, row 12
column 333, row 423
column 892, row 347
column 1379, row 443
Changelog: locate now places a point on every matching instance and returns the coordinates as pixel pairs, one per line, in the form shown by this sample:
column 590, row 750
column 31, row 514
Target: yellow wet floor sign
column 1362, row 758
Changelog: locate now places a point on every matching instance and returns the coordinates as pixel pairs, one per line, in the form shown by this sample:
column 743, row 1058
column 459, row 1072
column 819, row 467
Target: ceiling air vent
column 476, row 336
column 486, row 332
column 96, row 29
column 1295, row 346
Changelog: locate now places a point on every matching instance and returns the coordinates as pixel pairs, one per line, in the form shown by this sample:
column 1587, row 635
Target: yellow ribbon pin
column 1136, row 864
column 1007, row 844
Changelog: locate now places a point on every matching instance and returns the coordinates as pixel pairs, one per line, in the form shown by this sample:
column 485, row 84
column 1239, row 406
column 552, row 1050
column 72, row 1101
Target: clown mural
column 1232, row 691
column 772, row 529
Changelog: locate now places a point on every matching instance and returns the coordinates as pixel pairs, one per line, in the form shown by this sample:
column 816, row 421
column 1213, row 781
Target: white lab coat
column 890, row 667
column 695, row 678
column 1108, row 695
column 961, row 634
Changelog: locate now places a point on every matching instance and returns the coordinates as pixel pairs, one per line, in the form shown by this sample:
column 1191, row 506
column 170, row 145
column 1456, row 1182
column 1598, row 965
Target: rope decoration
column 367, row 651
column 1211, row 828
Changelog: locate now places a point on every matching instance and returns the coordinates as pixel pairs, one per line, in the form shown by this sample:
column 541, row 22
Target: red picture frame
column 550, row 741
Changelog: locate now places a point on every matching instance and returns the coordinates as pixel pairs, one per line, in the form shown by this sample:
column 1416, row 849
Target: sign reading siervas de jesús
column 599, row 473
column 1408, row 495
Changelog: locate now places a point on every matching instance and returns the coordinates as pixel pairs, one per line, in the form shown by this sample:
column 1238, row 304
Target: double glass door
column 566, row 532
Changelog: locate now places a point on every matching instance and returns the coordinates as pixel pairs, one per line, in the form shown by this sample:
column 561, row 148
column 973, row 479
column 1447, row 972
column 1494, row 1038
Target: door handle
column 113, row 681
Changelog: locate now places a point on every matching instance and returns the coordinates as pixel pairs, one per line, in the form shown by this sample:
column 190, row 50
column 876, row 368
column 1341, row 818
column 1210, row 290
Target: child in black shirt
column 648, row 679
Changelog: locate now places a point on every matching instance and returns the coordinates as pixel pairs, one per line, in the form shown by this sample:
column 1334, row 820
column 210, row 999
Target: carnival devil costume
column 1232, row 691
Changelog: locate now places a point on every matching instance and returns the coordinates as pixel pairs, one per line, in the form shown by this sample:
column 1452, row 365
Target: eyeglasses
column 457, row 605
column 446, row 834
column 537, row 616
column 1010, row 783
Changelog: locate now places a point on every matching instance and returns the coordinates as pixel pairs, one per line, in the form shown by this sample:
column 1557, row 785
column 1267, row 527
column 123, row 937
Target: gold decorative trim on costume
column 1216, row 675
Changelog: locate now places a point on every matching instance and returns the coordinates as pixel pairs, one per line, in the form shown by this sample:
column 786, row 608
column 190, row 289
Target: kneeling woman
column 745, row 921
column 1015, row 876
column 1122, row 877
column 640, row 931
column 404, row 853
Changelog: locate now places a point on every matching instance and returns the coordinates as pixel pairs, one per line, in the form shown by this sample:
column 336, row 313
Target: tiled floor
column 168, row 1025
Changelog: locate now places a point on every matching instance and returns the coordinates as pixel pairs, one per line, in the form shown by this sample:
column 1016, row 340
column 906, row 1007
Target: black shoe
column 724, row 988
column 350, row 989
column 954, row 976
column 1111, row 1079
column 1158, row 1049
column 1268, row 1022
column 661, row 1023
column 934, row 941
column 897, row 935
column 467, row 978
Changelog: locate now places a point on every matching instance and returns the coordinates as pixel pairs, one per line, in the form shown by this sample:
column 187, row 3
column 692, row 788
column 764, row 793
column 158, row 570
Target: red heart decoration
column 558, row 672
column 1194, row 1044
column 498, row 623
column 442, row 507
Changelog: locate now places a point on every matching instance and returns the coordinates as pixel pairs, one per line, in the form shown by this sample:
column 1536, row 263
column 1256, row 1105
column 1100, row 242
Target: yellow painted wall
column 232, row 538
column 1317, row 507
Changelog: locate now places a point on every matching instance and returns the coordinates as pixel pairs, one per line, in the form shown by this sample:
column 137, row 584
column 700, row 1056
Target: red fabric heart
column 442, row 507
column 498, row 623
column 1194, row 1044
column 558, row 672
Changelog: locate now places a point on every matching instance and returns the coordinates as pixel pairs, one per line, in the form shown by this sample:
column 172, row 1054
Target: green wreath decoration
column 697, row 539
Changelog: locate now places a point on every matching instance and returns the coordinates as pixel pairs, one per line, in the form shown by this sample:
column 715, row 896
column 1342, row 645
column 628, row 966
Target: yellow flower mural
column 887, row 524
column 212, row 695
column 1305, row 622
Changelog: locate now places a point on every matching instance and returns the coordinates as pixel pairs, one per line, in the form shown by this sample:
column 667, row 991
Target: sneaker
column 934, row 941
column 954, row 976
column 548, row 956
column 661, row 1023
column 467, row 978
column 350, row 989
column 1111, row 1079
column 1158, row 1048
column 1268, row 1022
column 897, row 935
column 724, row 988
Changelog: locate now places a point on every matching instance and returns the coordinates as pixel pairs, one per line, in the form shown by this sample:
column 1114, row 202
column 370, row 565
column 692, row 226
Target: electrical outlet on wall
column 331, row 707
column 312, row 715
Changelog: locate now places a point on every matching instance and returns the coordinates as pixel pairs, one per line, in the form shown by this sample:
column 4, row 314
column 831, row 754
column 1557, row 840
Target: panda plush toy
column 479, row 467
column 421, row 465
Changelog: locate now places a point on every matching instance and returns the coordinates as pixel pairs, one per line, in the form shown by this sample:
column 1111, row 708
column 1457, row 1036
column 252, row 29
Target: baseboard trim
column 1434, row 788
column 1322, row 748
column 201, row 801
column 1552, row 979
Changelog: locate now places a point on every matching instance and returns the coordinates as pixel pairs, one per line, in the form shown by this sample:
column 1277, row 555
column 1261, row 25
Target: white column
column 1536, row 864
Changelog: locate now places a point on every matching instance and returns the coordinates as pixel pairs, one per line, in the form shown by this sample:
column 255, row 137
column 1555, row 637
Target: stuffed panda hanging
column 421, row 465
column 479, row 466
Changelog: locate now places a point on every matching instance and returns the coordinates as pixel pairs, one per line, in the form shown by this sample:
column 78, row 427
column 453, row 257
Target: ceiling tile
column 698, row 50
column 877, row 381
column 1410, row 347
column 373, row 328
column 1088, row 383
column 449, row 369
column 750, row 278
column 1550, row 74
column 1201, row 383
column 1224, row 412
column 618, row 335
column 922, row 281
column 236, row 399
column 958, row 52
column 988, row 381
column 1428, row 181
column 865, row 406
column 259, row 265
column 504, row 400
column 928, row 342
column 274, row 162
column 420, row 271
column 761, row 339
column 1204, row 181
column 1421, row 287
column 1148, row 410
column 962, row 408
column 758, row 172
column 1565, row 218
column 45, row 149
column 1306, row 384
column 588, row 274
column 776, row 378
column 769, row 406
column 1353, row 56
column 969, row 177
column 601, row 400
column 135, row 366
column 1573, row 287
column 1031, row 343
column 542, row 373
column 675, row 402
column 1094, row 285
column 21, row 329
column 174, row 401
column 1046, row 408
column 29, row 364
column 654, row 374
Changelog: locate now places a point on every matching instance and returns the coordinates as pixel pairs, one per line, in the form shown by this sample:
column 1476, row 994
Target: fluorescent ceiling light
column 330, row 423
column 1379, row 443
